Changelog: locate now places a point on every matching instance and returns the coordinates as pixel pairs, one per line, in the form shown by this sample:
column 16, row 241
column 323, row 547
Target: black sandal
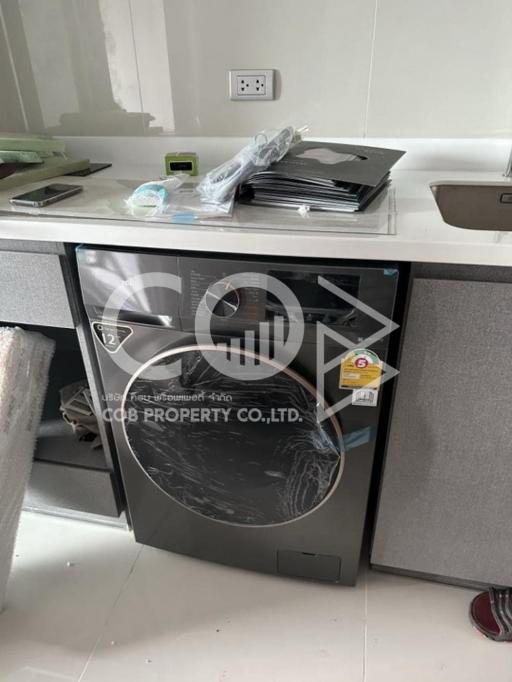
column 491, row 614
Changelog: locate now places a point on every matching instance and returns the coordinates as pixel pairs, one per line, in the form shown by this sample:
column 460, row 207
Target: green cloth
column 19, row 157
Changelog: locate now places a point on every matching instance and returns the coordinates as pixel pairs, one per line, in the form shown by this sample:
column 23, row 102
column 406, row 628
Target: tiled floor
column 87, row 604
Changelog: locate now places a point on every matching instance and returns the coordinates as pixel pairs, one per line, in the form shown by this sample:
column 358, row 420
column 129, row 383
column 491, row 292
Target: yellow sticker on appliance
column 360, row 368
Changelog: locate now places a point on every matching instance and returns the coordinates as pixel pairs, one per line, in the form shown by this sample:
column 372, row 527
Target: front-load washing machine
column 234, row 446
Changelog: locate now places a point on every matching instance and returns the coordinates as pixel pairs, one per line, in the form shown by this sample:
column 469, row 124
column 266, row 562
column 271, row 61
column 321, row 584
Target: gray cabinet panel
column 446, row 499
column 55, row 486
column 32, row 290
column 31, row 246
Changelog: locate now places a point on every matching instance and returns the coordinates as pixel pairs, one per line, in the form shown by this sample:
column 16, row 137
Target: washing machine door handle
column 134, row 317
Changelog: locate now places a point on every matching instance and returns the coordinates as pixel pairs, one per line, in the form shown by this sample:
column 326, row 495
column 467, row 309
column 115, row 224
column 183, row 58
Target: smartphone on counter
column 46, row 195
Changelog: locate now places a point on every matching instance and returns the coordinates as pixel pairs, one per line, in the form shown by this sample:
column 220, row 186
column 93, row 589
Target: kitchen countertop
column 417, row 232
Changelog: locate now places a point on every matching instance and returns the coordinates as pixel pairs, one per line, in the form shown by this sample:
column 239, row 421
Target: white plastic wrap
column 24, row 362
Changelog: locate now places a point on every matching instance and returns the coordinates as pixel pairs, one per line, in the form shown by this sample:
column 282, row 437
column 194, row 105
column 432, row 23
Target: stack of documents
column 322, row 176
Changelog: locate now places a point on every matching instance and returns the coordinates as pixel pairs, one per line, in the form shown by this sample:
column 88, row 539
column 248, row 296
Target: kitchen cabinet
column 37, row 293
column 446, row 495
column 32, row 290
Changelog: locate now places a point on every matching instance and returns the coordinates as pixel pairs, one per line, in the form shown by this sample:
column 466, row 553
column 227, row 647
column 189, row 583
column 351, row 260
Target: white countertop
column 420, row 234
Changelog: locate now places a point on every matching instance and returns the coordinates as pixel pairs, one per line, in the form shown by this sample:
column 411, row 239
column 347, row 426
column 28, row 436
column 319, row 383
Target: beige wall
column 351, row 68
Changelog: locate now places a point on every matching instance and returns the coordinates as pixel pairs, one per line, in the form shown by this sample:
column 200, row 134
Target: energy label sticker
column 361, row 368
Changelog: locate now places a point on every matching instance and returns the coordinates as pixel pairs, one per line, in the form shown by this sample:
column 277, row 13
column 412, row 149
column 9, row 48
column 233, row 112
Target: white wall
column 351, row 68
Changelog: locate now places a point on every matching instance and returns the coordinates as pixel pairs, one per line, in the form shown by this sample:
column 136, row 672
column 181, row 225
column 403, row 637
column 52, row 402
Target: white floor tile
column 115, row 614
column 420, row 631
column 55, row 613
column 193, row 621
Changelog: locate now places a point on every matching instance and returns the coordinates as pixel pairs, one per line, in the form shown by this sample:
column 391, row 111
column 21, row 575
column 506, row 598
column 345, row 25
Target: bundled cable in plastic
column 219, row 185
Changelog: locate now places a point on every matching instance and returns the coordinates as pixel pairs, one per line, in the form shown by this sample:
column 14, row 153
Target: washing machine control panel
column 241, row 296
column 244, row 294
column 234, row 294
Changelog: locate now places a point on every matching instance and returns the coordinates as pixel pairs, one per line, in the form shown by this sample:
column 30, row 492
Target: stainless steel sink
column 475, row 206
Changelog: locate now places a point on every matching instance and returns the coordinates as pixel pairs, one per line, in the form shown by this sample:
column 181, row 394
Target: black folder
column 324, row 176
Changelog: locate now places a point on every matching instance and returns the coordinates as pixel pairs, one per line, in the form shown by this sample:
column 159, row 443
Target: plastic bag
column 219, row 185
column 152, row 198
column 186, row 206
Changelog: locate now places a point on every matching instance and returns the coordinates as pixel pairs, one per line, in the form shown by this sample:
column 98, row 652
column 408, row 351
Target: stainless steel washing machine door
column 241, row 452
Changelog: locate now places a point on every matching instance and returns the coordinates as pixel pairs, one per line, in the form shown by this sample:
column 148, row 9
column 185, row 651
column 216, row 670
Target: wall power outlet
column 251, row 84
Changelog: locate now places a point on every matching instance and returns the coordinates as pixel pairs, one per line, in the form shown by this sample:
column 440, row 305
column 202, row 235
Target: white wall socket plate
column 251, row 84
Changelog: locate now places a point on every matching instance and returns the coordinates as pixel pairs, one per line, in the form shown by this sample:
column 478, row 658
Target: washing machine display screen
column 243, row 452
column 316, row 301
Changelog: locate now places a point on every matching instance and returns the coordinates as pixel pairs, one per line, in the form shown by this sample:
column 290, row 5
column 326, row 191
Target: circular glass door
column 242, row 452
